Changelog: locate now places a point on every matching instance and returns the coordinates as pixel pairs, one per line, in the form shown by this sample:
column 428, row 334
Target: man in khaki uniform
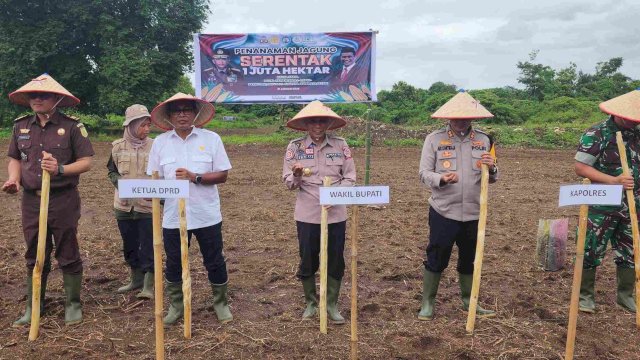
column 307, row 161
column 451, row 166
column 129, row 158
column 58, row 144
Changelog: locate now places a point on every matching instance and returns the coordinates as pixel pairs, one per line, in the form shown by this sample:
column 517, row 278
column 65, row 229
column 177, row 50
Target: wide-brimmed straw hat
column 625, row 106
column 43, row 84
column 204, row 111
column 462, row 107
column 134, row 112
column 315, row 109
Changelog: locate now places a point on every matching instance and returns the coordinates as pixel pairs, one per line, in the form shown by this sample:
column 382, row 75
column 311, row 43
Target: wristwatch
column 198, row 179
column 60, row 169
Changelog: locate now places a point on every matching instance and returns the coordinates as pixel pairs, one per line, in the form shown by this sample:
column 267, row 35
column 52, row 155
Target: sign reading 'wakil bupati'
column 354, row 195
column 164, row 189
column 590, row 195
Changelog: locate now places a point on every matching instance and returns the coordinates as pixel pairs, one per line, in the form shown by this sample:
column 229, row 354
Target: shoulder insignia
column 22, row 117
column 235, row 70
column 83, row 130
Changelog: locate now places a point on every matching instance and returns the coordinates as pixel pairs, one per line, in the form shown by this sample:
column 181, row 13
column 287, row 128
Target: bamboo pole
column 634, row 222
column 37, row 269
column 186, row 275
column 324, row 239
column 157, row 273
column 354, row 282
column 577, row 279
column 477, row 263
column 367, row 156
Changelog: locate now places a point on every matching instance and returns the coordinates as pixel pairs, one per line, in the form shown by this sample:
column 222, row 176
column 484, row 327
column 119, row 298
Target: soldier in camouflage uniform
column 598, row 160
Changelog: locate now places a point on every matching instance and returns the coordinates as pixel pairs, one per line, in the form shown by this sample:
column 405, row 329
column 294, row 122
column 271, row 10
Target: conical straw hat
column 625, row 106
column 205, row 111
column 313, row 110
column 462, row 107
column 45, row 84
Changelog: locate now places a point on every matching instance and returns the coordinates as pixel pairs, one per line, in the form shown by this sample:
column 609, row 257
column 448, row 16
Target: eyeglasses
column 315, row 121
column 184, row 110
column 40, row 95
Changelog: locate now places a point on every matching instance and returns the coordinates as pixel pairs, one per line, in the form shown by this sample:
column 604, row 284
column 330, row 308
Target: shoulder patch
column 21, row 117
column 74, row 118
column 83, row 130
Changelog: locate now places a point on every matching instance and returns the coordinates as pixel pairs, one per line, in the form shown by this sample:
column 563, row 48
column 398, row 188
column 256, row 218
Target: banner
column 285, row 68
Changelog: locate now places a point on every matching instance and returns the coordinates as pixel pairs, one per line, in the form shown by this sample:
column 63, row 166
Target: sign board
column 254, row 68
column 141, row 188
column 228, row 118
column 590, row 195
column 354, row 195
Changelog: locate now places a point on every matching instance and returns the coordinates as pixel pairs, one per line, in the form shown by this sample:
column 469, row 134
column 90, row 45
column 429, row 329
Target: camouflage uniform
column 598, row 148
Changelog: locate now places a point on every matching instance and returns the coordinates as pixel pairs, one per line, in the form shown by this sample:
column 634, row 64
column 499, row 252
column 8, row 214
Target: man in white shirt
column 188, row 152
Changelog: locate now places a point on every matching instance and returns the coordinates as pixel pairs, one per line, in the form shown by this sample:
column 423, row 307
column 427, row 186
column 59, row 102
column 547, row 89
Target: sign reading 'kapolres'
column 285, row 68
column 590, row 195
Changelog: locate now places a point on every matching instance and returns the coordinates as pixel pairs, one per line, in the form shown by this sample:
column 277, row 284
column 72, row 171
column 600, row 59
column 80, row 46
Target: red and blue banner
column 285, row 68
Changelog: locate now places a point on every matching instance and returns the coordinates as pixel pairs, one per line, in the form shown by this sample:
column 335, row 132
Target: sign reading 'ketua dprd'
column 164, row 189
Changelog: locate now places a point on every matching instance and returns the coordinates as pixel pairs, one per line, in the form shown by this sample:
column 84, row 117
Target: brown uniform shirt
column 444, row 152
column 331, row 158
column 62, row 136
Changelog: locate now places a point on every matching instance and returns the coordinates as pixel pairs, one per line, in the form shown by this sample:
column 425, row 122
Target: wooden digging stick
column 37, row 269
column 577, row 279
column 354, row 282
column 477, row 263
column 186, row 275
column 324, row 239
column 157, row 273
column 634, row 222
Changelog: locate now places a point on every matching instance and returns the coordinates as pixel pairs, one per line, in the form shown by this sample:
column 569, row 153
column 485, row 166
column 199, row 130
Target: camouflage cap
column 134, row 112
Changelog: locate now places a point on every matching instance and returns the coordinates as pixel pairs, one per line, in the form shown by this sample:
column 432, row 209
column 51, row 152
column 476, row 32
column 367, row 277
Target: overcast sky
column 473, row 44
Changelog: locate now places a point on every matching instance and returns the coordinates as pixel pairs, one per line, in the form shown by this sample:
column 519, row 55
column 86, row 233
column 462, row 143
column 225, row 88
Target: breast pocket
column 202, row 164
column 124, row 164
column 446, row 161
column 476, row 162
column 169, row 167
column 25, row 148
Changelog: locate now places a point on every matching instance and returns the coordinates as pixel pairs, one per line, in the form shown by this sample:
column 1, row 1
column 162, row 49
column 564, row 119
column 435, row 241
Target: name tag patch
column 24, row 137
column 334, row 155
column 446, row 147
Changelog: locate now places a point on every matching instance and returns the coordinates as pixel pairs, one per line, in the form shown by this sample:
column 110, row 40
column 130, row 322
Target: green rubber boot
column 26, row 318
column 311, row 298
column 466, row 281
column 176, row 305
column 587, row 291
column 147, row 288
column 72, row 306
column 333, row 293
column 430, row 283
column 626, row 286
column 220, row 304
column 135, row 282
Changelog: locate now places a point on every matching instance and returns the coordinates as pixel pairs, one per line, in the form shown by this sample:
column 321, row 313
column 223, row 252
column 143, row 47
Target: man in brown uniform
column 53, row 142
column 307, row 161
column 451, row 166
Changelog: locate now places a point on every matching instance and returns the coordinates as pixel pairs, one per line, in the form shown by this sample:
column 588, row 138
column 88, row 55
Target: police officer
column 128, row 160
column 598, row 160
column 307, row 161
column 222, row 72
column 187, row 152
column 54, row 142
column 450, row 166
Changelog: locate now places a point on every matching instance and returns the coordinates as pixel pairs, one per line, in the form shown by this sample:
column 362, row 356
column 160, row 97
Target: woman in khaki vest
column 128, row 160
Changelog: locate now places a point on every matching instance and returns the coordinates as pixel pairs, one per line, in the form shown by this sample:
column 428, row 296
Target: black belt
column 51, row 191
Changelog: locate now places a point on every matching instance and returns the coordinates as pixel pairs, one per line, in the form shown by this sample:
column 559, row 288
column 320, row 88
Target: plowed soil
column 266, row 299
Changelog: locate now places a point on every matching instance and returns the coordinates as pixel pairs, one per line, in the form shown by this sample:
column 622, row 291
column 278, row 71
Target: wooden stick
column 324, row 239
column 577, row 279
column 37, row 269
column 157, row 273
column 477, row 263
column 634, row 222
column 186, row 275
column 354, row 282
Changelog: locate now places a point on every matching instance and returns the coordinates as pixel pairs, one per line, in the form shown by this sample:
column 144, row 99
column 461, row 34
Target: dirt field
column 266, row 299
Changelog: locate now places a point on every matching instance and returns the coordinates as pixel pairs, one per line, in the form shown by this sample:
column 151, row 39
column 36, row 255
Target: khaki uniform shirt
column 331, row 158
column 131, row 164
column 62, row 136
column 444, row 152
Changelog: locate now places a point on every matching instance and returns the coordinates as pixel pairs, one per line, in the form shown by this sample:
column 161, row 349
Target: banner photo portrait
column 285, row 68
